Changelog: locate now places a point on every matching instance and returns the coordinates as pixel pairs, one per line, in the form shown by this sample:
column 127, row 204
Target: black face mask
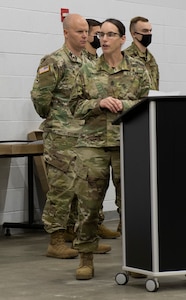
column 96, row 43
column 146, row 39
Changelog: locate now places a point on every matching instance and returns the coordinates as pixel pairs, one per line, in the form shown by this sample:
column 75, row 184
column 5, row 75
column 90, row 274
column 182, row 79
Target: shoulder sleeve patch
column 44, row 69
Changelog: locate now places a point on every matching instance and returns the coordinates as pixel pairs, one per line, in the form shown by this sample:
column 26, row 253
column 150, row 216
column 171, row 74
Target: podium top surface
column 20, row 148
column 144, row 102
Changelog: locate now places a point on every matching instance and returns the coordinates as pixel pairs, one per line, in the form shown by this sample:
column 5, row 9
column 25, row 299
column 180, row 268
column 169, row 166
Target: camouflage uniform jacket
column 128, row 82
column 90, row 56
column 149, row 61
column 52, row 88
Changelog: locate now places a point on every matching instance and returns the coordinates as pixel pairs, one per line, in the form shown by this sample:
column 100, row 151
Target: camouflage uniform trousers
column 93, row 169
column 60, row 208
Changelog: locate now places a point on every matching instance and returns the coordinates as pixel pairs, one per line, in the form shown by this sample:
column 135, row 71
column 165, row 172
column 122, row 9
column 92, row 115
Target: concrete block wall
column 31, row 29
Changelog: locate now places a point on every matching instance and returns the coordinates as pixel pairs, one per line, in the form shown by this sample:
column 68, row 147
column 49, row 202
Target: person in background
column 93, row 43
column 141, row 32
column 50, row 95
column 102, row 90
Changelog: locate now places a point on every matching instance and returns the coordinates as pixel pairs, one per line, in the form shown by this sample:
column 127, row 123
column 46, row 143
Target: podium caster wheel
column 121, row 278
column 152, row 285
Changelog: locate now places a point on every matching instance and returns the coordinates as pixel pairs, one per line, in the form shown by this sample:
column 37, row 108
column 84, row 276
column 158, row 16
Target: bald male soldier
column 50, row 95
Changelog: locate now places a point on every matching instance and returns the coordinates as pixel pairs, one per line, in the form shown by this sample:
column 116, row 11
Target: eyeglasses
column 109, row 34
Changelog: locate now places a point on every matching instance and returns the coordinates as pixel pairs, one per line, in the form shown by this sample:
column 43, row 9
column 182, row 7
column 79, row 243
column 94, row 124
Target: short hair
column 93, row 22
column 118, row 24
column 135, row 20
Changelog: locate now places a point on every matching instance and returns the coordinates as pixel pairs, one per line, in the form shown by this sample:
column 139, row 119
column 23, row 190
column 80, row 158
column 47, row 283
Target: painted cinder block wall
column 31, row 29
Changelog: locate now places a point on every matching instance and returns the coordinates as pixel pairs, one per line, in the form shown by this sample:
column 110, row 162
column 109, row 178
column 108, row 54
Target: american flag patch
column 44, row 69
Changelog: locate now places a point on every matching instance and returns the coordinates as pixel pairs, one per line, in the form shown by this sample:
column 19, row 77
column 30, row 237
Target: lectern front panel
column 171, row 171
column 137, row 191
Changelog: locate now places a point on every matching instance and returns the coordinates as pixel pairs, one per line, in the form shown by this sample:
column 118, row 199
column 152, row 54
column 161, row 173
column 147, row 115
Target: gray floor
column 26, row 273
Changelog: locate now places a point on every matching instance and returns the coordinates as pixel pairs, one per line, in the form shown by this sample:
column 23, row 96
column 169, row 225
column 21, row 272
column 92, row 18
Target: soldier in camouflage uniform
column 50, row 95
column 141, row 32
column 103, row 90
column 93, row 43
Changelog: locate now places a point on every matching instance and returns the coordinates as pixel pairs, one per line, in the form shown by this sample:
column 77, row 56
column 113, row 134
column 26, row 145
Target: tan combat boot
column 106, row 233
column 69, row 234
column 102, row 249
column 57, row 247
column 86, row 268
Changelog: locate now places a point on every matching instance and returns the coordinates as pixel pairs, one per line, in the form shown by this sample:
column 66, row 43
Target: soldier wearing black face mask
column 141, row 32
column 93, row 42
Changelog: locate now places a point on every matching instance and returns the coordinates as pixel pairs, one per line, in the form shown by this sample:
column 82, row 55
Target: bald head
column 72, row 20
column 75, row 29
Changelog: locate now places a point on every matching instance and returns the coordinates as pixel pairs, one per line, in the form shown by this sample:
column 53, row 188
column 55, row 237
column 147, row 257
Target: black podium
column 153, row 183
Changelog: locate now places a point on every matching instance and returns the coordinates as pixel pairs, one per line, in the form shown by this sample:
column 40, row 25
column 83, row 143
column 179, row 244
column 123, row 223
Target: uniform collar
column 139, row 53
column 72, row 56
column 124, row 65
